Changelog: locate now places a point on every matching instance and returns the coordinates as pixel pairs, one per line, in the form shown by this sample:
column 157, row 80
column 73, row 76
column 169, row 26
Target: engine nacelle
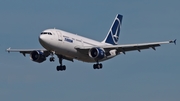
column 96, row 53
column 37, row 56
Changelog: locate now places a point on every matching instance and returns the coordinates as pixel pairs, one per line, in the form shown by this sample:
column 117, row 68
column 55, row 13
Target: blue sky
column 146, row 76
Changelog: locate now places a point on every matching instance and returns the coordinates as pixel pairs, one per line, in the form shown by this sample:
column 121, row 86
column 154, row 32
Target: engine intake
column 96, row 53
column 37, row 56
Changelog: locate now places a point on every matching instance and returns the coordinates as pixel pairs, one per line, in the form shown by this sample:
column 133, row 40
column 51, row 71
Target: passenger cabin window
column 46, row 33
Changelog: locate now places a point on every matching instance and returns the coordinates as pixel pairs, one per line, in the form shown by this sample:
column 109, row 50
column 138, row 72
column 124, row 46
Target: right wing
column 44, row 51
column 28, row 51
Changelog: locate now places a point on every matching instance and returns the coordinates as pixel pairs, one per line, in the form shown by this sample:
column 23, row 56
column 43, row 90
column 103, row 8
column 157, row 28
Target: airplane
column 69, row 46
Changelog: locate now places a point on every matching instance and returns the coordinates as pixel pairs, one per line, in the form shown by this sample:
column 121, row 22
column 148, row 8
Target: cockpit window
column 46, row 33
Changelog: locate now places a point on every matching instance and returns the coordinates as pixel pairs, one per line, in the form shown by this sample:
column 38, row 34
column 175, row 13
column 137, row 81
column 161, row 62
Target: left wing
column 125, row 48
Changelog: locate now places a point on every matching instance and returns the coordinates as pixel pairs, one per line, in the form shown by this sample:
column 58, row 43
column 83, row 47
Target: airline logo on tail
column 113, row 34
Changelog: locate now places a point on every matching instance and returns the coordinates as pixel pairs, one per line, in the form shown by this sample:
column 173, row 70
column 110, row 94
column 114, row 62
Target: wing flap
column 136, row 47
column 83, row 50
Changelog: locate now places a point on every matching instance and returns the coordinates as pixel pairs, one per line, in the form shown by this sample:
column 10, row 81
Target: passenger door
column 59, row 36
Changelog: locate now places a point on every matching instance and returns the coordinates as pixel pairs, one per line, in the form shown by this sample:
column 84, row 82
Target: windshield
column 46, row 33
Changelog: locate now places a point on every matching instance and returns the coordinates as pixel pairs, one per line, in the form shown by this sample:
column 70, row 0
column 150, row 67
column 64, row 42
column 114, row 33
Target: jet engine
column 97, row 53
column 37, row 56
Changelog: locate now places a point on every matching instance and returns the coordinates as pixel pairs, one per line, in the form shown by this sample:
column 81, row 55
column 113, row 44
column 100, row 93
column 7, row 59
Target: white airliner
column 70, row 46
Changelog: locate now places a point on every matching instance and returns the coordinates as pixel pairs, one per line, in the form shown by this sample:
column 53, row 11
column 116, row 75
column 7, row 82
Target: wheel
column 61, row 68
column 58, row 68
column 64, row 67
column 98, row 66
column 95, row 66
column 101, row 66
column 51, row 59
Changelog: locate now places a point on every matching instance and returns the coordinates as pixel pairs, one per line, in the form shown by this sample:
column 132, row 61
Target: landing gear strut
column 61, row 67
column 97, row 66
column 51, row 59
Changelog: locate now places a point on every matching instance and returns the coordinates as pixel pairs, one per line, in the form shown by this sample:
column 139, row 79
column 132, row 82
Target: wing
column 126, row 48
column 138, row 47
column 28, row 51
column 46, row 52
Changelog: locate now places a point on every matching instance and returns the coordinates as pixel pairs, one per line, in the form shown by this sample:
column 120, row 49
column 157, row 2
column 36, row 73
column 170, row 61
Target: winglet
column 8, row 50
column 173, row 41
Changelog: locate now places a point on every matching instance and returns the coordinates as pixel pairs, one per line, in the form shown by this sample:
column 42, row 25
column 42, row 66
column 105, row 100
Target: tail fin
column 113, row 34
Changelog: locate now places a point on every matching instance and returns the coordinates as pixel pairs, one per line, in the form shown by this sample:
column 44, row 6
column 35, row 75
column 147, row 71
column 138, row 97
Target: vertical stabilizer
column 113, row 34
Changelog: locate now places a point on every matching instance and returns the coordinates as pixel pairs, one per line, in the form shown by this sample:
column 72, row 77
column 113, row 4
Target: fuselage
column 64, row 43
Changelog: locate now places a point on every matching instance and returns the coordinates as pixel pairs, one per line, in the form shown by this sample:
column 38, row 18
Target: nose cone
column 43, row 39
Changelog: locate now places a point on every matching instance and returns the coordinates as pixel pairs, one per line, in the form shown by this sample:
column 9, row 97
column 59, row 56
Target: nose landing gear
column 51, row 59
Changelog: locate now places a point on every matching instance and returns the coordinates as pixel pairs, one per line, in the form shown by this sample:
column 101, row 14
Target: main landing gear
column 61, row 67
column 97, row 66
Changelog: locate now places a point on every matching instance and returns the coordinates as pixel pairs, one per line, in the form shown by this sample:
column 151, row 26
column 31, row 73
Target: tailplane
column 113, row 34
